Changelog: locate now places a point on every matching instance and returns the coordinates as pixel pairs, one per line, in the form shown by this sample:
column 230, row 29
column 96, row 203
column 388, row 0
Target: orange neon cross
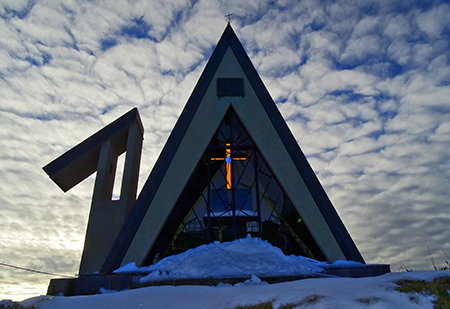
column 228, row 162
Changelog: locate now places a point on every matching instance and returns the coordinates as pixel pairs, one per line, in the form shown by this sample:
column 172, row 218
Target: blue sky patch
column 370, row 9
column 21, row 14
column 107, row 44
column 44, row 118
column 345, row 66
column 425, row 5
column 387, row 115
column 46, row 58
column 382, row 97
column 376, row 134
column 177, row 18
column 394, row 69
column 138, row 29
column 32, row 61
column 349, row 94
column 440, row 109
column 317, row 25
column 304, row 60
column 445, row 83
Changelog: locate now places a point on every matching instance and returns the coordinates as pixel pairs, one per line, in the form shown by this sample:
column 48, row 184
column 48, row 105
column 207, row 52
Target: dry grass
column 438, row 287
column 266, row 305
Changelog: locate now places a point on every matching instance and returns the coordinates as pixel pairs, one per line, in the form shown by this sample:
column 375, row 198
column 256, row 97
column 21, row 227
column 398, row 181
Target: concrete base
column 358, row 271
column 91, row 284
column 62, row 286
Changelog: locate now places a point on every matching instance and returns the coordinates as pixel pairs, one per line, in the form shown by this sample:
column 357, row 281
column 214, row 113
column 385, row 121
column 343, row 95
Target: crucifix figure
column 228, row 160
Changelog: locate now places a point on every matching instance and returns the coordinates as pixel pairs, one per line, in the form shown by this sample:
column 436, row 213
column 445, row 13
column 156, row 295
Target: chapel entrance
column 231, row 194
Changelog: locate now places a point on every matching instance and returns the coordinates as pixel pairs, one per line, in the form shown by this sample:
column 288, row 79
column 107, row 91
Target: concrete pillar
column 107, row 217
column 130, row 178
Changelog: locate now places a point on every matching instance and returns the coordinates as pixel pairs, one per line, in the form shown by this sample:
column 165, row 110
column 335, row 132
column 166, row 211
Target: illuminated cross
column 228, row 163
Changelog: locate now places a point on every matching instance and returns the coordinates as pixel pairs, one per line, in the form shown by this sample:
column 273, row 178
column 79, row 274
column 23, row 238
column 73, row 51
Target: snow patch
column 239, row 258
column 254, row 280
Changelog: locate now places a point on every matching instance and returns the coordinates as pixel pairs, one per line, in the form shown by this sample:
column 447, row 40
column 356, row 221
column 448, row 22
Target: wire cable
column 35, row 271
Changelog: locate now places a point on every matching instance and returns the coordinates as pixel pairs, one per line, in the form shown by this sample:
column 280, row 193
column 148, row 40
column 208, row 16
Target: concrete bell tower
column 99, row 153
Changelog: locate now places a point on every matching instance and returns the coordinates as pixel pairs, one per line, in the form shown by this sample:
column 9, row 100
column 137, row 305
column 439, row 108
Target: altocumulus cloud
column 363, row 85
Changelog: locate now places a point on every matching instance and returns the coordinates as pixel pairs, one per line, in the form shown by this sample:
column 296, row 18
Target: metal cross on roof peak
column 228, row 17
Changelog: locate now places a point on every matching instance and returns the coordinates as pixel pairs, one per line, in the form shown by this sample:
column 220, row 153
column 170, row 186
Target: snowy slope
column 249, row 257
column 339, row 293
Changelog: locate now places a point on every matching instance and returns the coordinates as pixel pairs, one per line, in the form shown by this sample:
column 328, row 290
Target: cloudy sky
column 363, row 85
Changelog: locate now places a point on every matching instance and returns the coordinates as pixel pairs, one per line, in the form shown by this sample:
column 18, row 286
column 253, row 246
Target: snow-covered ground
column 339, row 293
column 253, row 258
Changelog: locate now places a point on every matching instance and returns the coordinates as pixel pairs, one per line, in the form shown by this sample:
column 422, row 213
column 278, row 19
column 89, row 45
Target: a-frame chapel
column 231, row 167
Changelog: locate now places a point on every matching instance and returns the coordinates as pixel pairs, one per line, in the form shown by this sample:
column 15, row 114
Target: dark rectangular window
column 230, row 87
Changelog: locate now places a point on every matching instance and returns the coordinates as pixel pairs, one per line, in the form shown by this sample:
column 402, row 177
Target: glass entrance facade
column 231, row 194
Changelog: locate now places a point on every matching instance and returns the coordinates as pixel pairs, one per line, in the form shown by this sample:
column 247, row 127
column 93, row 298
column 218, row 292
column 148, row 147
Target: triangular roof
column 202, row 115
